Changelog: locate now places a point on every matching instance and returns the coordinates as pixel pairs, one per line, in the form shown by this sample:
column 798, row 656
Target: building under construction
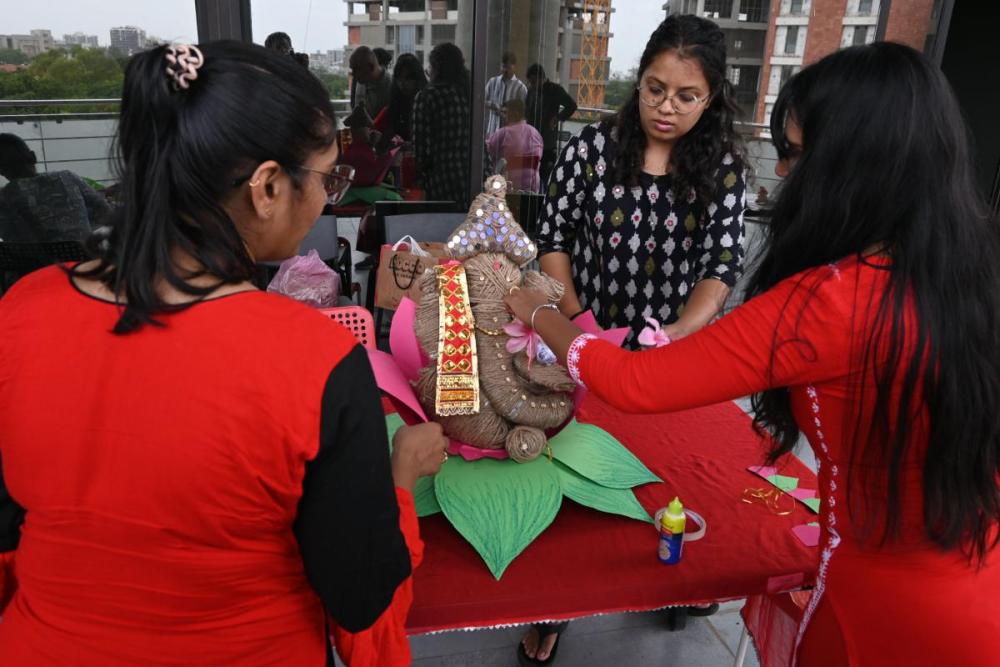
column 569, row 38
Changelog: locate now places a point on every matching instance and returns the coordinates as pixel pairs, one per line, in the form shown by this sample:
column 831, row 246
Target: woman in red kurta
column 195, row 472
column 875, row 332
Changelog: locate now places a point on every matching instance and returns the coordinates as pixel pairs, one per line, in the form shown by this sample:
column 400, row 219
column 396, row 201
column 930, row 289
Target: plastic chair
column 355, row 319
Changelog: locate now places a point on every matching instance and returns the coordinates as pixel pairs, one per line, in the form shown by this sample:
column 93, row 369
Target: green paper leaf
column 499, row 506
column 784, row 482
column 814, row 523
column 424, row 497
column 590, row 494
column 392, row 423
column 595, row 454
column 423, row 492
column 813, row 504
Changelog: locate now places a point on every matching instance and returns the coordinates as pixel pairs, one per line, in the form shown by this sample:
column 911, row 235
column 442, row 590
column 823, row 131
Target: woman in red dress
column 195, row 472
column 875, row 331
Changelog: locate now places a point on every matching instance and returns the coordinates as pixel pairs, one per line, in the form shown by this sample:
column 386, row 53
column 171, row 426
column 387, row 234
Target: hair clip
column 183, row 62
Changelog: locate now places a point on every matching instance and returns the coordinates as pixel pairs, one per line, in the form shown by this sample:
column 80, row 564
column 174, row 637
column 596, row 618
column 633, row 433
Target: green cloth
column 369, row 195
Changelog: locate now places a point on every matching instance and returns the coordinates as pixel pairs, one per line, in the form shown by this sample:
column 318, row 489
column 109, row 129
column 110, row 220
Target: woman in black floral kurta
column 644, row 212
column 638, row 252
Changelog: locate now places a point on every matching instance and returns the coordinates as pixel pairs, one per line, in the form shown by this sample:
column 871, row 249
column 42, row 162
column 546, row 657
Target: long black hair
column 181, row 153
column 886, row 165
column 400, row 112
column 698, row 154
column 449, row 68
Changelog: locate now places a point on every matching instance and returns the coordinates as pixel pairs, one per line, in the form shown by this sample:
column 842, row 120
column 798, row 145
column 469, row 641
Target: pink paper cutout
column 390, row 379
column 588, row 324
column 808, row 534
column 406, row 350
column 803, row 494
column 763, row 471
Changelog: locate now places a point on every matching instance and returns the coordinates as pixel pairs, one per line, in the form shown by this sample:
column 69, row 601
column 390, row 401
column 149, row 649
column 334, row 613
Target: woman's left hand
column 522, row 303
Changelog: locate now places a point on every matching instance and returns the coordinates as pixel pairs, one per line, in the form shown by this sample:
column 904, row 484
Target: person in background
column 282, row 43
column 383, row 57
column 218, row 483
column 873, row 330
column 371, row 84
column 408, row 79
column 441, row 127
column 279, row 42
column 643, row 217
column 44, row 208
column 519, row 145
column 547, row 105
column 499, row 89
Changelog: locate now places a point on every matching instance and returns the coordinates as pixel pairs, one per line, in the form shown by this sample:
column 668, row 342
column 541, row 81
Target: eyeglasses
column 683, row 102
column 335, row 182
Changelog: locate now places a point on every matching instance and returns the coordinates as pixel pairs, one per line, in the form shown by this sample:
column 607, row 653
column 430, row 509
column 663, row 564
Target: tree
column 619, row 88
column 336, row 84
column 12, row 57
column 75, row 74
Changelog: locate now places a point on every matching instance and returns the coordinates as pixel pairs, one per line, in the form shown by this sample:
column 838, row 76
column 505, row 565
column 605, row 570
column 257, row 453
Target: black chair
column 19, row 259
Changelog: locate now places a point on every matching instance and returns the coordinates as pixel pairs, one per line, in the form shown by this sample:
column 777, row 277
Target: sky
column 313, row 24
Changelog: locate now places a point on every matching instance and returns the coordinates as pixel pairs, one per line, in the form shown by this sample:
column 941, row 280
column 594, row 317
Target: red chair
column 355, row 319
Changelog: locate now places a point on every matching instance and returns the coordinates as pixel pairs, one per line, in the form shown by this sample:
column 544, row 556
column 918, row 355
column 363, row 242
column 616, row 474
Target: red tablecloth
column 588, row 562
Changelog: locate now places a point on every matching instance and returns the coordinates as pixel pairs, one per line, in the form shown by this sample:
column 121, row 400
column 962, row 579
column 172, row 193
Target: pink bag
column 308, row 279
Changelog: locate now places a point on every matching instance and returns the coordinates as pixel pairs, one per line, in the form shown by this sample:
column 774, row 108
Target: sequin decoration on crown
column 490, row 227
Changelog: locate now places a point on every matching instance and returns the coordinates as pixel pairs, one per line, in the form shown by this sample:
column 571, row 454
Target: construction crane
column 596, row 18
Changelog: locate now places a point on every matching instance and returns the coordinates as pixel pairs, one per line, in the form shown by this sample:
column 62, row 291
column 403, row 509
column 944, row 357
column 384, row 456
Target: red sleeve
column 384, row 644
column 804, row 322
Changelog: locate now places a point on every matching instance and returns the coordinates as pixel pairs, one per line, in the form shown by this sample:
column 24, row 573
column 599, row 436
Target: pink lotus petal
column 390, row 379
column 403, row 343
column 808, row 534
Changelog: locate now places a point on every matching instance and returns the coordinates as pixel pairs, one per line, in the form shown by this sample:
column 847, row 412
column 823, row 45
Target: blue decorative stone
column 520, row 243
column 489, row 231
column 465, row 241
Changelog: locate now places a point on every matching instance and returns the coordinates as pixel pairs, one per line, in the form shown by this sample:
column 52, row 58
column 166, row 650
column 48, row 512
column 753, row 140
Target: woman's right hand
column 417, row 451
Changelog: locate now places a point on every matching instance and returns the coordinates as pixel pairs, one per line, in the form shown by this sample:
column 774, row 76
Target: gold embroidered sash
column 457, row 365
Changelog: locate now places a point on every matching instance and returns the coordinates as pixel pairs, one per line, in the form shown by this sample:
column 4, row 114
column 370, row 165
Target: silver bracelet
column 550, row 306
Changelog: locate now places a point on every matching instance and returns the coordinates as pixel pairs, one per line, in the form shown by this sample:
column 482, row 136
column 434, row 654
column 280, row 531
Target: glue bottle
column 672, row 533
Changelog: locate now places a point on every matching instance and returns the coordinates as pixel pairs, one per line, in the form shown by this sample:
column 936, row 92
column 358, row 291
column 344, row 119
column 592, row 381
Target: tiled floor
column 620, row 640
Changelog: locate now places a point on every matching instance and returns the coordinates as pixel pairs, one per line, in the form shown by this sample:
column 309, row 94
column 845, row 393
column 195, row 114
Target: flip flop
column 543, row 630
column 703, row 611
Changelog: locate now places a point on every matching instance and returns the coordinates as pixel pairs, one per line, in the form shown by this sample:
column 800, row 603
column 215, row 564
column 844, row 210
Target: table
column 590, row 563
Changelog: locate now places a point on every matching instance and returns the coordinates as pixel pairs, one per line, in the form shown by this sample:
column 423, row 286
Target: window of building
column 737, row 44
column 860, row 35
column 864, row 8
column 792, row 39
column 718, row 9
column 441, row 34
column 754, row 11
column 390, row 34
column 795, row 9
column 734, row 76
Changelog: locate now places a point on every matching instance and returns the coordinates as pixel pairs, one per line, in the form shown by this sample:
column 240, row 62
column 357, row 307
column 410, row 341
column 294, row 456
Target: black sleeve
column 11, row 518
column 348, row 519
column 568, row 105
